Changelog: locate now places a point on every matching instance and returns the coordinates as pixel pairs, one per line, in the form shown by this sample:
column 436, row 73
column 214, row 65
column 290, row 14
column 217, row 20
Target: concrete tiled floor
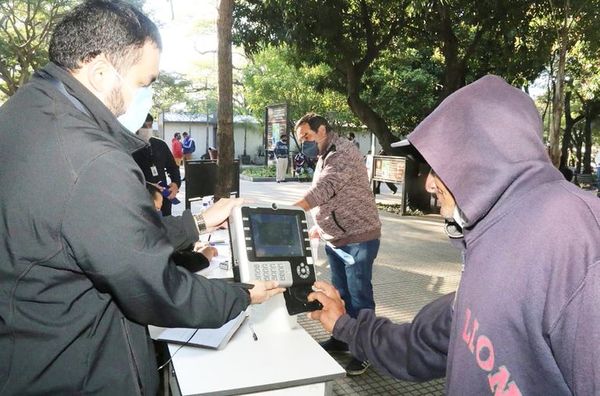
column 416, row 264
column 410, row 271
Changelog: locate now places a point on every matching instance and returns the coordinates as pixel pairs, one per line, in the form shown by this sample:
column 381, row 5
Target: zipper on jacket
column 336, row 222
column 132, row 360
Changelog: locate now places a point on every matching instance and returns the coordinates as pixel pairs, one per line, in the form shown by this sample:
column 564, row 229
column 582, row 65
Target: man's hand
column 333, row 305
column 263, row 290
column 208, row 251
column 173, row 190
column 303, row 203
column 219, row 212
column 314, row 233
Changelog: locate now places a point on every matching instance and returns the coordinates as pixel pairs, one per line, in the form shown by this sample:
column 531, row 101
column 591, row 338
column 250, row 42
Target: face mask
column 137, row 111
column 145, row 134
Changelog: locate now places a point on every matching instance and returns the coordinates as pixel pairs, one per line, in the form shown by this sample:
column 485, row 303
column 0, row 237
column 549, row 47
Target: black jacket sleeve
column 117, row 238
column 415, row 351
column 181, row 230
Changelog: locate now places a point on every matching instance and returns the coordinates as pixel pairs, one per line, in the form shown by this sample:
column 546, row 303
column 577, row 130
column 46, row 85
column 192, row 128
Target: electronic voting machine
column 271, row 242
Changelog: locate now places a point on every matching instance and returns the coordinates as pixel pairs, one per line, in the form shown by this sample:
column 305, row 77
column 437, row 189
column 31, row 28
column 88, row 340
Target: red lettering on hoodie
column 498, row 383
column 469, row 333
column 485, row 357
column 483, row 343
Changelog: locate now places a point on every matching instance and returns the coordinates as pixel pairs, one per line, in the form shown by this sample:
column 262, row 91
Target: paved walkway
column 415, row 265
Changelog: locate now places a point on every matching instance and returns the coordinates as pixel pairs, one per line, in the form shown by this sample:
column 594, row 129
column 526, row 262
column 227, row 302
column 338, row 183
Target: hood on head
column 484, row 141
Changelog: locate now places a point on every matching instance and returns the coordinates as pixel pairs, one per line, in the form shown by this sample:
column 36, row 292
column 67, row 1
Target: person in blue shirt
column 188, row 145
column 281, row 155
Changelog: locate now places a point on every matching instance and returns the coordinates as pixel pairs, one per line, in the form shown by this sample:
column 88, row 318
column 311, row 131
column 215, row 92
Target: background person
column 85, row 259
column 177, row 148
column 188, row 146
column 352, row 138
column 525, row 319
column 346, row 217
column 157, row 162
column 281, row 158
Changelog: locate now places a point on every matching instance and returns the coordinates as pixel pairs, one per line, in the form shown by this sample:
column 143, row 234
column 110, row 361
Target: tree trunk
column 579, row 155
column 587, row 136
column 374, row 122
column 567, row 138
column 557, row 103
column 225, row 170
column 454, row 68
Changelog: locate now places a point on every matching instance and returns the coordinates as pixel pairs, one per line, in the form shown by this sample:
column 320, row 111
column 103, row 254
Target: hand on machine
column 260, row 291
column 301, row 295
column 217, row 214
column 332, row 305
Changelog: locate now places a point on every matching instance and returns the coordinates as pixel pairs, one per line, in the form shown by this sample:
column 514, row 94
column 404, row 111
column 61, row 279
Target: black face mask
column 310, row 148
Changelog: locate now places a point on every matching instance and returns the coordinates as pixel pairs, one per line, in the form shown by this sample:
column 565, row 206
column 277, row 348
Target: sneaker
column 333, row 345
column 356, row 367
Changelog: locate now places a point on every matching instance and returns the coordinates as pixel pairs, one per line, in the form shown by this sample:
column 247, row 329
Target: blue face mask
column 136, row 113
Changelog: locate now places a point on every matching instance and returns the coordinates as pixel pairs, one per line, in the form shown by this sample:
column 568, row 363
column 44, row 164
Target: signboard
column 388, row 169
column 276, row 117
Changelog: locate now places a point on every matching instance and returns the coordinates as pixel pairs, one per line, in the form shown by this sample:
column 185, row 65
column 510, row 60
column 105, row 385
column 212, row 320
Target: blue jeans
column 598, row 178
column 353, row 281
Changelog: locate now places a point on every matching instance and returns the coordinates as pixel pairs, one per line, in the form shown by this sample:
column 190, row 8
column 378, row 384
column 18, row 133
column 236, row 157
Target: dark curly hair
column 110, row 27
column 314, row 121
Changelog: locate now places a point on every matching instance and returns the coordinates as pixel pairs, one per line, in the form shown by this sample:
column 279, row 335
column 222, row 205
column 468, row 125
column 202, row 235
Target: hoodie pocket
column 335, row 220
column 133, row 363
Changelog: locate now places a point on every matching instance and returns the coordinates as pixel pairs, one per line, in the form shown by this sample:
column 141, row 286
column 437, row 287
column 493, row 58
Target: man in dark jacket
column 156, row 162
column 525, row 319
column 84, row 257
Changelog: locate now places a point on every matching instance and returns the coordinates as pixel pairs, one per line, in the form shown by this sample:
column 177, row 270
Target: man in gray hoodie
column 525, row 318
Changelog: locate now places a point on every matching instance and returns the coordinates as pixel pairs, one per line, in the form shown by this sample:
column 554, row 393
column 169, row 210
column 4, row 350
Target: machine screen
column 276, row 235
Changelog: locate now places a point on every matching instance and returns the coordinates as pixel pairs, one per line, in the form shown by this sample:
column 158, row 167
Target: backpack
column 193, row 146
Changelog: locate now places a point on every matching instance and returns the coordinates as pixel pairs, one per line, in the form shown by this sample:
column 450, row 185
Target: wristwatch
column 200, row 222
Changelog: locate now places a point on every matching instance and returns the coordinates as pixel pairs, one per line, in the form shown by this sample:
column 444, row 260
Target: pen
column 254, row 336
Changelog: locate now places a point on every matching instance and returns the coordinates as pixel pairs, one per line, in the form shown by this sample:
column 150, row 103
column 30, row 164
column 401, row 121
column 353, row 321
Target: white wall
column 254, row 137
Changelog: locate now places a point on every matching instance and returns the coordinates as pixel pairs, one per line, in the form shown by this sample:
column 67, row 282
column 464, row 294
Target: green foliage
column 169, row 89
column 395, row 60
column 259, row 171
column 271, row 78
column 402, row 86
column 174, row 92
column 344, row 36
column 503, row 37
column 25, row 29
